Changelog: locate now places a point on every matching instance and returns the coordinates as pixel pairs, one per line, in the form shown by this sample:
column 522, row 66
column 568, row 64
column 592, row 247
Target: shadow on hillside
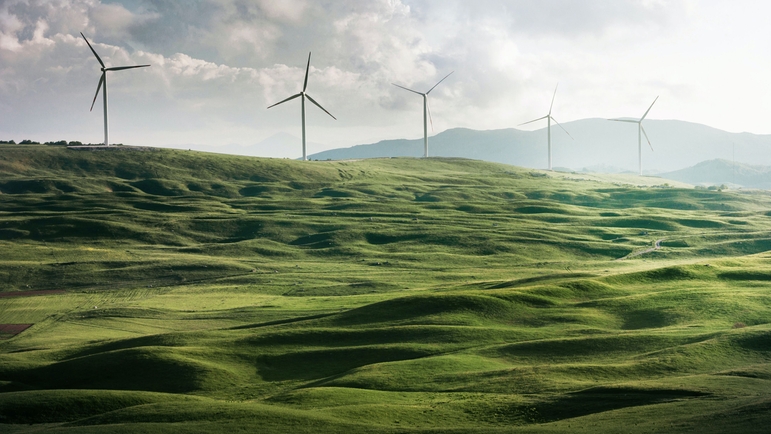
column 601, row 399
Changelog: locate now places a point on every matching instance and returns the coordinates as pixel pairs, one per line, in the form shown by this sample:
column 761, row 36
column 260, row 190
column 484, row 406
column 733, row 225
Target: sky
column 218, row 64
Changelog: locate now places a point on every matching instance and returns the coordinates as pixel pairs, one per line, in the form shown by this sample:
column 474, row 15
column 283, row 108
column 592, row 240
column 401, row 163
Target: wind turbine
column 550, row 118
column 426, row 111
column 103, row 81
column 640, row 132
column 305, row 95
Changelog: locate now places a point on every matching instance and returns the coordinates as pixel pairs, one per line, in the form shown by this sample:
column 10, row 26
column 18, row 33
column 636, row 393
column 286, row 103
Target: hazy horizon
column 216, row 66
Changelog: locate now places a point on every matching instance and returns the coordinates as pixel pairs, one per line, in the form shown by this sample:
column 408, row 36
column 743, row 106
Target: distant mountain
column 599, row 145
column 718, row 172
column 494, row 145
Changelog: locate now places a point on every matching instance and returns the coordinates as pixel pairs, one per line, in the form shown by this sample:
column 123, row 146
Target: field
column 177, row 291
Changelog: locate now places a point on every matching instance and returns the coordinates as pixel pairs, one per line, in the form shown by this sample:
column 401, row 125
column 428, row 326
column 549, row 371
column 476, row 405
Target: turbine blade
column 552, row 99
column 92, row 50
column 534, row 120
column 288, row 99
column 430, row 119
column 625, row 120
column 307, row 69
column 319, row 106
column 649, row 109
column 120, row 68
column 563, row 128
column 437, row 84
column 413, row 91
column 98, row 86
column 646, row 136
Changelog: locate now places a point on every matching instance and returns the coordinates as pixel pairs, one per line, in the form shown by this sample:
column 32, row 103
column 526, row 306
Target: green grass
column 213, row 293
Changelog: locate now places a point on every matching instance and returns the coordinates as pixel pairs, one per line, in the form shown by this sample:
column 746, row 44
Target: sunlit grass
column 211, row 293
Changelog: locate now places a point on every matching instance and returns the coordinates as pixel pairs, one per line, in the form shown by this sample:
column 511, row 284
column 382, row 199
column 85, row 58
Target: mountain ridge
column 596, row 143
column 723, row 172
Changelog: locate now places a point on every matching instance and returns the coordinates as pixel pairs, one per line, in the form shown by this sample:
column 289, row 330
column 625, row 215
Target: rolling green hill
column 177, row 291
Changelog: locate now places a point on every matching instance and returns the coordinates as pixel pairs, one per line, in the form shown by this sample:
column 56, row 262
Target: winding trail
column 656, row 246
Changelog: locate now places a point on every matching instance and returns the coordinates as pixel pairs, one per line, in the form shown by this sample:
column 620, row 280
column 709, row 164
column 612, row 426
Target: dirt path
column 656, row 246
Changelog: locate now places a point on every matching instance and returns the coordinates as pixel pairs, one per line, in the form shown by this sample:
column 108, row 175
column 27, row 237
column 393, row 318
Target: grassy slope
column 207, row 293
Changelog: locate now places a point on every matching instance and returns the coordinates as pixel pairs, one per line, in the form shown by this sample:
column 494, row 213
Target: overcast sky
column 217, row 65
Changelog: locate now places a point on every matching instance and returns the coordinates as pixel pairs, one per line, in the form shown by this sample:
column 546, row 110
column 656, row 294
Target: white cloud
column 115, row 21
column 112, row 18
column 289, row 11
column 9, row 26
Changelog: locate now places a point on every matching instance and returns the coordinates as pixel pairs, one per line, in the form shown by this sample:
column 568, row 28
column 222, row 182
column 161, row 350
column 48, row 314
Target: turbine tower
column 426, row 112
column 103, row 82
column 640, row 133
column 305, row 95
column 549, row 118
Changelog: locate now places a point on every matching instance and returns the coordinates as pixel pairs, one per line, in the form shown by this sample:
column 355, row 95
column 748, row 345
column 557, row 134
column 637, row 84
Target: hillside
column 597, row 143
column 179, row 291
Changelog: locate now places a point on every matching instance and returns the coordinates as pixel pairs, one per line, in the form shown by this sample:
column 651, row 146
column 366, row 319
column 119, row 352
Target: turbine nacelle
column 103, row 84
column 426, row 111
column 304, row 95
column 549, row 118
column 640, row 132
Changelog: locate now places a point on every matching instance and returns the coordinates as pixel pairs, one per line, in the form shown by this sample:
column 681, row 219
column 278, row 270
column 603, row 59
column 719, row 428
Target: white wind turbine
column 103, row 82
column 305, row 95
column 640, row 132
column 426, row 112
column 550, row 118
